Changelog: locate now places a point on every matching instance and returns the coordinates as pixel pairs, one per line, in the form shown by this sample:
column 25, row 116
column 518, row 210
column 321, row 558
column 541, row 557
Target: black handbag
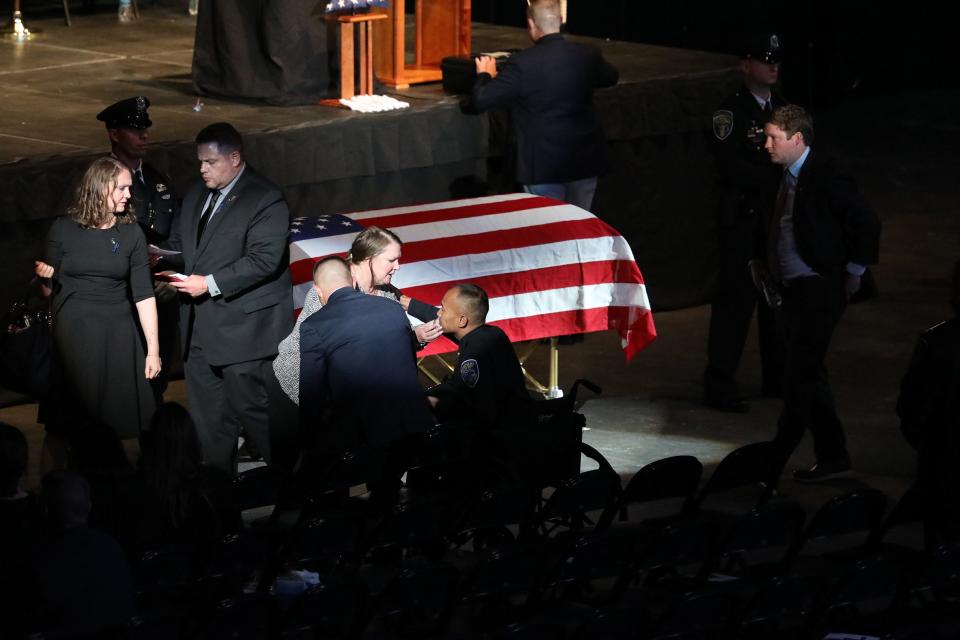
column 26, row 350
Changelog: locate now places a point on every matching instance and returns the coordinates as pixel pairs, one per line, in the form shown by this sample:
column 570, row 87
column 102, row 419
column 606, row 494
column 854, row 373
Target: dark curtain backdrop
column 278, row 51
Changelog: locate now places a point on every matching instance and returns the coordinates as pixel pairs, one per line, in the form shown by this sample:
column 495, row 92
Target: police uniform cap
column 763, row 48
column 130, row 113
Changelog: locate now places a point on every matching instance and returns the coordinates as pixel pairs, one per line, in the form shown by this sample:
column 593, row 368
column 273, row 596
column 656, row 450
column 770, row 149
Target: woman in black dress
column 97, row 258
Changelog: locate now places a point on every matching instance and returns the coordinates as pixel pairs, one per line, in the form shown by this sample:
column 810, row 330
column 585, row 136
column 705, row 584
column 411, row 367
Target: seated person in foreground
column 359, row 384
column 486, row 387
column 80, row 583
column 929, row 410
column 17, row 507
column 184, row 501
column 19, row 527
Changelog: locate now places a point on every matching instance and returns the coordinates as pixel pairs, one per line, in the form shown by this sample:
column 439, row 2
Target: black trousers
column 286, row 439
column 730, row 317
column 812, row 307
column 224, row 399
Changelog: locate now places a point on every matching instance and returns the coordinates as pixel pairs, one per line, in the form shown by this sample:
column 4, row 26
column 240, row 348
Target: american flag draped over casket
column 550, row 268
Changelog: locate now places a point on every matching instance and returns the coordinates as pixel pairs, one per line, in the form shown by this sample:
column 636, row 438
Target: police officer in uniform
column 487, row 386
column 156, row 207
column 749, row 182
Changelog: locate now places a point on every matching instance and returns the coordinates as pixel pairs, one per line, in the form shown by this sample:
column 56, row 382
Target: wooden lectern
column 442, row 29
column 347, row 76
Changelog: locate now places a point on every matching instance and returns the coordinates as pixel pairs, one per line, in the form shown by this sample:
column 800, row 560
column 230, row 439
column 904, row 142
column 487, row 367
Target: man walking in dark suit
column 358, row 368
column 748, row 187
column 818, row 242
column 233, row 235
column 560, row 148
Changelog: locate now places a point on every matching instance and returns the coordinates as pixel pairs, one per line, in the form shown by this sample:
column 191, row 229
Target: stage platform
column 328, row 160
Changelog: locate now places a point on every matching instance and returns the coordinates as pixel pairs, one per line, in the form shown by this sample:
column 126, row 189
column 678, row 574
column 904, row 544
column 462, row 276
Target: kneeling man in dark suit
column 358, row 368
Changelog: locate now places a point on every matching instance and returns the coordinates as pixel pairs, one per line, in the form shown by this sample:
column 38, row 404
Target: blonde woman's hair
column 89, row 208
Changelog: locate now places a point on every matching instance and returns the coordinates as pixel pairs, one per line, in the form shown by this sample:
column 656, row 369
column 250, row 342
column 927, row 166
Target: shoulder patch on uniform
column 722, row 124
column 470, row 372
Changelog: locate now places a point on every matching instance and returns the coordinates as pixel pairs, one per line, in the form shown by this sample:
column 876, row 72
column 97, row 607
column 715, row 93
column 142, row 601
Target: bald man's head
column 543, row 18
column 329, row 275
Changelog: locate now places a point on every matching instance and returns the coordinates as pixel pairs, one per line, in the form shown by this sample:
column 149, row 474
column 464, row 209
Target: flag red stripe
column 530, row 281
column 393, row 222
column 548, row 325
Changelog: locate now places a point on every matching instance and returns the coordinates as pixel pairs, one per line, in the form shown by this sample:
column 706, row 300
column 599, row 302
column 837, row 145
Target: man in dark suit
column 817, row 244
column 560, row 148
column 358, row 368
column 748, row 187
column 233, row 235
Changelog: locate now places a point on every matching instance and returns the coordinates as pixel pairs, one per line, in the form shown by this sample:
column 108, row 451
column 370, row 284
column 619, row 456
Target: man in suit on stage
column 233, row 235
column 816, row 245
column 560, row 148
column 358, row 368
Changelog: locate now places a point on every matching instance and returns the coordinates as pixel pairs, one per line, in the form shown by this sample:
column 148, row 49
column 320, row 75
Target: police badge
column 470, row 372
column 722, row 124
column 161, row 187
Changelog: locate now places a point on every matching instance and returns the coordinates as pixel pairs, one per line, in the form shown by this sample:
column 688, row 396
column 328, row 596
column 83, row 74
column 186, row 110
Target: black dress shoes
column 729, row 405
column 826, row 470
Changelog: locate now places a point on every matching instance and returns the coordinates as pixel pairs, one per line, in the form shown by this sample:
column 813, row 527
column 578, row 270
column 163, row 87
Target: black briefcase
column 460, row 72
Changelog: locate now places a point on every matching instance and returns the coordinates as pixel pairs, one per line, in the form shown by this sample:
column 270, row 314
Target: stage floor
column 55, row 84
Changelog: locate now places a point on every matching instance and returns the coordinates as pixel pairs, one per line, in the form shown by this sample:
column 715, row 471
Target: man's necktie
column 207, row 213
column 773, row 237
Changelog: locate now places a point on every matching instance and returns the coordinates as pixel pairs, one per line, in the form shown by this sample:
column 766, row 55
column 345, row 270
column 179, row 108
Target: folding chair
column 753, row 468
column 596, row 569
column 674, row 477
column 576, row 497
column 416, row 602
column 839, row 530
column 756, row 544
column 781, row 608
column 256, row 487
column 863, row 600
column 325, row 611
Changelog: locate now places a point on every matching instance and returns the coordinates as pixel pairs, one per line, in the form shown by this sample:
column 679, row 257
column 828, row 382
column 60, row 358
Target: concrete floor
column 903, row 151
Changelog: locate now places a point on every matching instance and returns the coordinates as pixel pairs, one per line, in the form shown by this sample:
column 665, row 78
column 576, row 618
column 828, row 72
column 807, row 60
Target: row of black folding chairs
column 592, row 586
column 664, row 489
